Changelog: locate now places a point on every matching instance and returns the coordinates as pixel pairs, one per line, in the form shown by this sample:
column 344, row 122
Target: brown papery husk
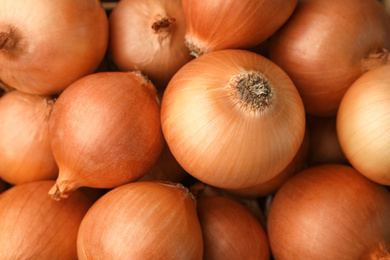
column 25, row 150
column 33, row 226
column 105, row 131
column 326, row 45
column 330, row 212
column 142, row 220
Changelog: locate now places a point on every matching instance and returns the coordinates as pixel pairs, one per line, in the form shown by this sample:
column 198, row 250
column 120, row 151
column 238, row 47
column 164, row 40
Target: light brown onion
column 330, row 212
column 33, row 226
column 221, row 24
column 25, row 151
column 230, row 231
column 363, row 124
column 142, row 220
column 105, row 131
column 326, row 45
column 232, row 118
column 46, row 45
column 148, row 35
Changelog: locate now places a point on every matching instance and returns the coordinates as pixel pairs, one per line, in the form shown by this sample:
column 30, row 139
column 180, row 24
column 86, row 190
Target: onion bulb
column 105, row 131
column 330, row 212
column 25, row 150
column 232, row 118
column 148, row 35
column 221, row 24
column 33, row 226
column 46, row 45
column 142, row 220
column 363, row 124
column 326, row 45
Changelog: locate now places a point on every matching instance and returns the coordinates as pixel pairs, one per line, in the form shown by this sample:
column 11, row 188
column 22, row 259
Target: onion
column 232, row 118
column 105, row 131
column 220, row 24
column 326, row 45
column 230, row 231
column 330, row 212
column 148, row 35
column 142, row 220
column 33, row 226
column 363, row 124
column 46, row 45
column 25, row 151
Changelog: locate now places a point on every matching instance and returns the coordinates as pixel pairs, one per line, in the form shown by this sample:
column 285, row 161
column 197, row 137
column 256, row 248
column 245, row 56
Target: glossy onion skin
column 57, row 43
column 33, row 226
column 142, row 220
column 363, row 124
column 215, row 138
column 323, row 48
column 105, row 131
column 329, row 212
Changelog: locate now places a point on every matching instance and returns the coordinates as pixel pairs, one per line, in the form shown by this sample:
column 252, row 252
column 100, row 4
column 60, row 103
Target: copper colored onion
column 105, row 131
column 142, row 220
column 33, row 226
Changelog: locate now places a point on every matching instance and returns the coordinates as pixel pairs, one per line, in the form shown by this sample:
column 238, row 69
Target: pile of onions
column 230, row 231
column 142, row 220
column 25, row 150
column 33, row 226
column 232, row 118
column 326, row 45
column 363, row 124
column 330, row 212
column 148, row 35
column 224, row 24
column 46, row 45
column 105, row 131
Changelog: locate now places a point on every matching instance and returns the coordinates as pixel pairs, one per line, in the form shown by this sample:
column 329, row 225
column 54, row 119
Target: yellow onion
column 363, row 124
column 232, row 118
column 142, row 220
column 33, row 226
column 25, row 151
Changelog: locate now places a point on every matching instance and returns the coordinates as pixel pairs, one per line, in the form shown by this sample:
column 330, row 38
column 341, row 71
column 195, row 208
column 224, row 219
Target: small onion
column 33, row 226
column 363, row 124
column 105, row 131
column 142, row 220
column 330, row 212
column 232, row 118
column 148, row 35
column 25, row 151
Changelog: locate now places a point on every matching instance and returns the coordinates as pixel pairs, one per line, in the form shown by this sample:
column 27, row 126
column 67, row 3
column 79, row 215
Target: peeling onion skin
column 142, row 220
column 33, row 226
column 326, row 45
column 224, row 140
column 50, row 43
column 363, row 124
column 25, row 150
column 105, row 131
column 330, row 212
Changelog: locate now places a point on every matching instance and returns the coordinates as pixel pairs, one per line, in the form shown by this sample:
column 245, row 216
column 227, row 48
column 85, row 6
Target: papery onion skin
column 142, row 220
column 220, row 24
column 51, row 44
column 330, row 212
column 33, row 226
column 105, row 131
column 135, row 45
column 363, row 124
column 219, row 138
column 326, row 45
column 230, row 231
column 25, row 149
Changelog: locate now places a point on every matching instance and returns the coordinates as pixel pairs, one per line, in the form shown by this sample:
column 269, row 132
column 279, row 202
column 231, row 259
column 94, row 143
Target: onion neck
column 381, row 252
column 163, row 27
column 376, row 58
column 194, row 49
column 8, row 41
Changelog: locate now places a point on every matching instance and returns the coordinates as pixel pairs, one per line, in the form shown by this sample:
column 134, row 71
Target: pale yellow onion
column 363, row 124
column 218, row 137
